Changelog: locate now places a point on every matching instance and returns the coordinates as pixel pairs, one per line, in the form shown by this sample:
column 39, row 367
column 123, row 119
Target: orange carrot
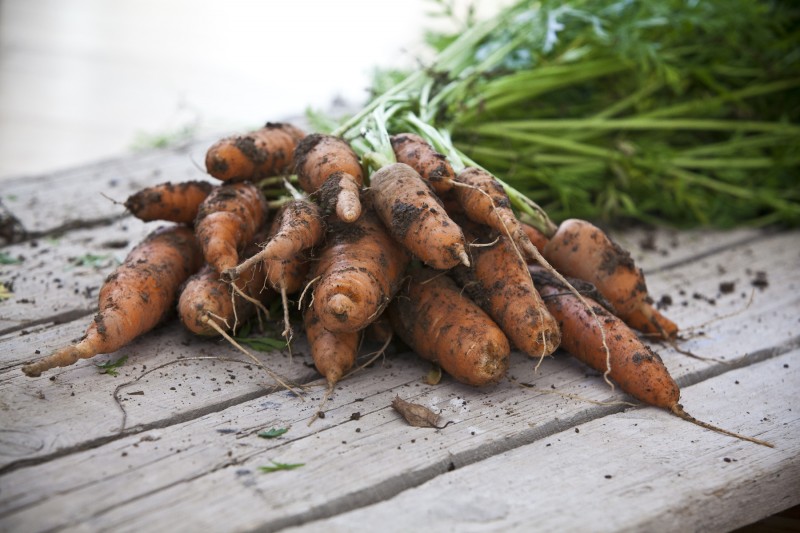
column 297, row 226
column 359, row 272
column 177, row 202
column 634, row 366
column 415, row 217
column 500, row 283
column 328, row 166
column 484, row 201
column 581, row 250
column 415, row 152
column 135, row 297
column 258, row 154
column 207, row 304
column 433, row 317
column 639, row 371
column 537, row 238
column 333, row 353
column 228, row 220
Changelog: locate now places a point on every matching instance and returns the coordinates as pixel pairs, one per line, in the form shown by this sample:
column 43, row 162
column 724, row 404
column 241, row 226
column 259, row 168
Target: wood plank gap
column 59, row 318
column 141, row 428
column 766, row 234
column 718, row 369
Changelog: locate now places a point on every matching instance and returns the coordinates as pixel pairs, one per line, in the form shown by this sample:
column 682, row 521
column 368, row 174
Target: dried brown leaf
column 416, row 414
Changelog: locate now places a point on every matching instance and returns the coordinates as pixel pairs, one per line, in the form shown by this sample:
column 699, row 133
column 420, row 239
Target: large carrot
column 135, row 297
column 258, row 154
column 177, row 202
column 500, row 283
column 297, row 226
column 359, row 272
column 637, row 369
column 417, row 153
column 415, row 217
column 442, row 325
column 581, row 250
column 328, row 166
column 333, row 353
column 227, row 221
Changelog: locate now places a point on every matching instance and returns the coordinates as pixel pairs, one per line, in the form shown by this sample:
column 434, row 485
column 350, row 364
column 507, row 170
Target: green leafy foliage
column 110, row 367
column 272, row 433
column 7, row 259
column 674, row 112
column 275, row 466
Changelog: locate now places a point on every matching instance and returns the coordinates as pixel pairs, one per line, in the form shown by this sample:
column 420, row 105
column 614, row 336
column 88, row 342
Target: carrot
column 441, row 325
column 581, row 250
column 500, row 283
column 333, row 353
column 328, row 166
column 415, row 217
column 207, row 304
column 228, row 220
column 537, row 238
column 417, row 153
column 171, row 202
column 255, row 155
column 634, row 366
column 359, row 272
column 298, row 226
column 637, row 369
column 135, row 297
column 484, row 201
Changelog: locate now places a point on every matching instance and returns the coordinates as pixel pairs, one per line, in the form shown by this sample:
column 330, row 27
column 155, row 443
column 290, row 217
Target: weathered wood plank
column 76, row 196
column 601, row 476
column 38, row 422
column 59, row 278
column 489, row 422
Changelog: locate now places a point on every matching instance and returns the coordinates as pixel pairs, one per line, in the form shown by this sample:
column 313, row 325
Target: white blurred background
column 82, row 80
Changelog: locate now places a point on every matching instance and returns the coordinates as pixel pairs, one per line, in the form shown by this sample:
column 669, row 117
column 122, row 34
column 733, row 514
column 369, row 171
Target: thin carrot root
column 63, row 357
column 677, row 410
column 283, row 382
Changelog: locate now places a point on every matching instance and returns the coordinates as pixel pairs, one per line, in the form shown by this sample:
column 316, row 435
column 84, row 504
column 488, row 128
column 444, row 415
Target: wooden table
column 562, row 453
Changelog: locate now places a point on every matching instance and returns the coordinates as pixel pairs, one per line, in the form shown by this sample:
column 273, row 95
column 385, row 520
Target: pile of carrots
column 412, row 248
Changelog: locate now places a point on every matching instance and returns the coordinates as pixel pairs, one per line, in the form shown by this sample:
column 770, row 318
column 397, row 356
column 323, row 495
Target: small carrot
column 326, row 165
column 208, row 306
column 581, row 250
column 228, row 220
column 177, row 202
column 484, row 201
column 443, row 326
column 500, row 283
column 415, row 217
column 537, row 238
column 417, row 153
column 259, row 154
column 135, row 297
column 637, row 369
column 333, row 353
column 359, row 272
column 298, row 226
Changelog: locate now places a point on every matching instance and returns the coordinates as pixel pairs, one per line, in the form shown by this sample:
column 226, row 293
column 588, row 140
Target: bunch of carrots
column 383, row 236
column 384, row 226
